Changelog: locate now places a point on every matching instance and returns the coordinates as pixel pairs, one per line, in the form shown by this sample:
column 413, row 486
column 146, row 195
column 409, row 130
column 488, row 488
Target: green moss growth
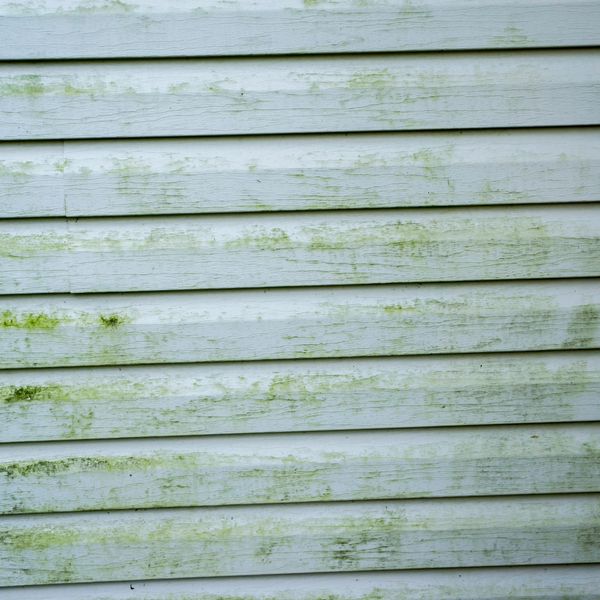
column 32, row 393
column 10, row 320
column 112, row 321
column 76, row 464
column 23, row 394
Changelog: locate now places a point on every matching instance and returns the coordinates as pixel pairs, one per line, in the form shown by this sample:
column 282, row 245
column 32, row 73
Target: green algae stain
column 23, row 394
column 18, row 171
column 261, row 239
column 102, row 6
column 38, row 538
column 29, row 393
column 61, row 165
column 30, row 86
column 112, row 321
column 512, row 36
column 375, row 80
column 77, row 464
column 10, row 320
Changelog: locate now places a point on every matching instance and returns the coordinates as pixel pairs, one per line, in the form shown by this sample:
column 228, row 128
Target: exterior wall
column 299, row 300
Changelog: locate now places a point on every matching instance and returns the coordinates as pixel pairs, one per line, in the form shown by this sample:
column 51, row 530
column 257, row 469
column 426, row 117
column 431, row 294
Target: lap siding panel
column 299, row 300
column 311, row 172
column 151, row 28
column 100, row 99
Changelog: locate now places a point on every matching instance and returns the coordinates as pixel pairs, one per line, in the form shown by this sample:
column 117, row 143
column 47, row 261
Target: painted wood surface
column 62, row 100
column 272, row 173
column 517, row 583
column 297, row 538
column 31, row 180
column 324, row 248
column 69, row 404
column 332, row 248
column 34, row 256
column 306, row 467
column 112, row 329
column 148, row 28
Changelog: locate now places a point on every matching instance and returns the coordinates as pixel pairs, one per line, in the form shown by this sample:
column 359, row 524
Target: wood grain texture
column 324, row 248
column 112, row 329
column 247, row 174
column 296, row 538
column 306, row 467
column 62, row 100
column 70, row 404
column 146, row 28
column 517, row 583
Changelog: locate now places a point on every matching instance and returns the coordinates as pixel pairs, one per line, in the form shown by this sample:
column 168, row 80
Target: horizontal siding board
column 245, row 174
column 62, row 330
column 170, row 543
column 69, row 404
column 307, row 467
column 326, row 248
column 299, row 95
column 34, row 256
column 146, row 28
column 517, row 583
column 331, row 248
column 32, row 180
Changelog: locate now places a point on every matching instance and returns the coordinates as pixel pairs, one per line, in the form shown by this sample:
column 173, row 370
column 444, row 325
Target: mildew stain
column 19, row 171
column 583, row 327
column 375, row 80
column 113, row 321
column 11, row 320
column 29, row 393
column 30, row 86
column 77, row 464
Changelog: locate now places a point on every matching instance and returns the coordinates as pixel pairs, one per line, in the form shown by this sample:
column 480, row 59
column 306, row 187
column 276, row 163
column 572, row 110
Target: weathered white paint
column 299, row 538
column 34, row 256
column 147, row 28
column 300, row 467
column 517, row 583
column 248, row 174
column 55, row 404
column 291, row 407
column 112, row 329
column 293, row 95
column 323, row 248
column 31, row 180
column 333, row 248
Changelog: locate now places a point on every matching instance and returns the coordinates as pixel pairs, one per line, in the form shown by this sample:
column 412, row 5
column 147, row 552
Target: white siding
column 299, row 538
column 145, row 28
column 112, row 329
column 516, row 583
column 318, row 248
column 273, row 173
column 299, row 94
column 305, row 467
column 314, row 395
column 346, row 343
